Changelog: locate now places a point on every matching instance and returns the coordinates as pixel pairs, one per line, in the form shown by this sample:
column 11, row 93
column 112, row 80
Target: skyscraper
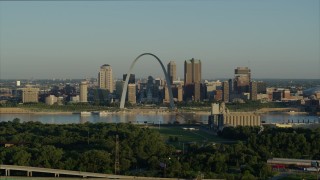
column 172, row 71
column 192, row 80
column 179, row 93
column 105, row 78
column 242, row 78
column 197, row 91
column 230, row 81
column 226, row 91
column 192, row 71
column 253, row 90
column 132, row 78
column 166, row 94
column 132, row 93
column 83, row 91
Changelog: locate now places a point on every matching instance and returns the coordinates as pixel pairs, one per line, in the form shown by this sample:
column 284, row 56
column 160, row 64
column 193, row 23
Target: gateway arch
column 125, row 87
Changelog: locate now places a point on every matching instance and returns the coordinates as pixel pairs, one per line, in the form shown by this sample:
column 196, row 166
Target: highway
column 58, row 172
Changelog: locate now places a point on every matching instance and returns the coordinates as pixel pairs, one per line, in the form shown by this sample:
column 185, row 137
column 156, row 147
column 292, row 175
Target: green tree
column 48, row 156
column 96, row 161
column 247, row 176
column 21, row 157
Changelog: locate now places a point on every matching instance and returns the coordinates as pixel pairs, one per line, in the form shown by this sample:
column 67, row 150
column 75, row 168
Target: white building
column 84, row 91
column 50, row 100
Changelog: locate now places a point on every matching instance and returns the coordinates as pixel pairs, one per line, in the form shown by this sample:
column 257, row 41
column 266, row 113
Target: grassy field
column 178, row 137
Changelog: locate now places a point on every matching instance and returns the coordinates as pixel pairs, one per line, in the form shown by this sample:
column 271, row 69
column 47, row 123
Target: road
column 58, row 172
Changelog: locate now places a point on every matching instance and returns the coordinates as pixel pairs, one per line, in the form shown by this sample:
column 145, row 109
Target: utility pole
column 117, row 157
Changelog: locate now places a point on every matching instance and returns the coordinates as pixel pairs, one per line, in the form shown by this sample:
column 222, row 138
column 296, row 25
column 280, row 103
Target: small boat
column 85, row 113
column 95, row 112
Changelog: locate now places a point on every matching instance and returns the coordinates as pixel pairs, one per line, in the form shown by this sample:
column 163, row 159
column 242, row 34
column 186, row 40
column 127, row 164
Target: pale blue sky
column 56, row 39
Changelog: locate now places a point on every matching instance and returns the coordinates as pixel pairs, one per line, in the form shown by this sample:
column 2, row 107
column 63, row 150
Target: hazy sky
column 56, row 39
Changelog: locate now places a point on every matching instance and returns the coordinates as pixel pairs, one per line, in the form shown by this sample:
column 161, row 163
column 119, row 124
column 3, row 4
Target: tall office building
column 166, row 98
column 192, row 71
column 105, row 78
column 192, row 80
column 242, row 79
column 30, row 94
column 132, row 78
column 172, row 71
column 84, row 91
column 119, row 87
column 197, row 91
column 179, row 93
column 253, row 90
column 225, row 93
column 132, row 93
column 230, row 81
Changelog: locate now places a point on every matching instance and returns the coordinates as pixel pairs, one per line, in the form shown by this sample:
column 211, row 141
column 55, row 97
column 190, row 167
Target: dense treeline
column 85, row 147
column 301, row 143
column 91, row 147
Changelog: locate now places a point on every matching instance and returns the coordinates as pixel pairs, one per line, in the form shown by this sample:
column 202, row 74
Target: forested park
column 144, row 152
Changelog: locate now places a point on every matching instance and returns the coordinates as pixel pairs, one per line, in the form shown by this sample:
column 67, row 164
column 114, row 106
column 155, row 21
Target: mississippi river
column 165, row 118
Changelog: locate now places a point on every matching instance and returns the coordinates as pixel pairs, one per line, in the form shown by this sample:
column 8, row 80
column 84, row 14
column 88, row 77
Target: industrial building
column 221, row 117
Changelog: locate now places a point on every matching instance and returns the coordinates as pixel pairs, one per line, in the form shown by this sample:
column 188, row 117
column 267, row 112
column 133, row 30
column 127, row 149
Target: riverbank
column 266, row 110
column 28, row 111
column 290, row 111
column 14, row 111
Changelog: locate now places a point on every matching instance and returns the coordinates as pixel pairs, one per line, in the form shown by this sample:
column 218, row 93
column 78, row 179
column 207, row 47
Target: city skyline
column 275, row 39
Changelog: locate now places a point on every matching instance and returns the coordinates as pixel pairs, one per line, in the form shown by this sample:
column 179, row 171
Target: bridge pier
column 29, row 173
column 7, row 172
column 56, row 175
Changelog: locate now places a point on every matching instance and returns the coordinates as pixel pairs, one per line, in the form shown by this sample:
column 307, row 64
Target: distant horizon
column 278, row 39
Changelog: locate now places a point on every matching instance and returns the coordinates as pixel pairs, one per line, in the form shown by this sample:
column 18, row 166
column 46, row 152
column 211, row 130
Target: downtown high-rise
column 192, row 80
column 192, row 71
column 83, row 91
column 105, row 78
column 172, row 71
column 242, row 79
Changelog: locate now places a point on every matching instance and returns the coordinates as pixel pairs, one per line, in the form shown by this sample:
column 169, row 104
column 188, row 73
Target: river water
column 149, row 118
